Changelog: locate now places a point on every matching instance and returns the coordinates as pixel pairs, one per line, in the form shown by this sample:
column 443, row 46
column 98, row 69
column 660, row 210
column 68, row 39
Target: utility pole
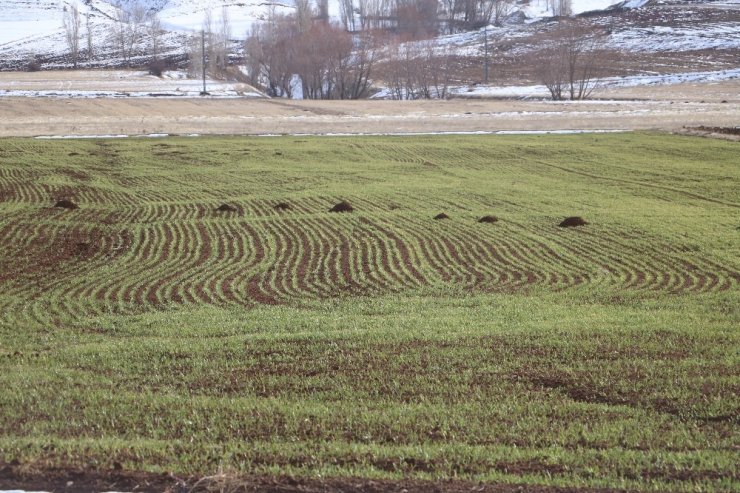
column 203, row 61
column 485, row 63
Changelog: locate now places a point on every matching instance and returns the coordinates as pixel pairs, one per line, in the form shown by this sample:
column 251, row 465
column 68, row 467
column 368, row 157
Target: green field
column 147, row 331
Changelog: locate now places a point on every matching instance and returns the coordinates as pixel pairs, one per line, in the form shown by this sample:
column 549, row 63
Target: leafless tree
column 272, row 48
column 89, row 36
column 72, row 30
column 326, row 61
column 253, row 56
column 416, row 19
column 129, row 27
column 419, row 70
column 353, row 74
column 562, row 8
column 195, row 55
column 400, row 70
column 220, row 43
column 303, row 14
column 322, row 8
column 498, row 10
column 347, row 14
column 154, row 30
column 570, row 66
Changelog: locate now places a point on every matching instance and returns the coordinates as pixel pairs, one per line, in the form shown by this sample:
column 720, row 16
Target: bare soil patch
column 68, row 480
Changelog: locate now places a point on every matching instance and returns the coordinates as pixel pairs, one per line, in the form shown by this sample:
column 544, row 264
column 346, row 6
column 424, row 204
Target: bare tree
column 303, row 14
column 195, row 55
column 562, row 8
column 72, row 28
column 129, row 27
column 322, row 7
column 89, row 36
column 498, row 10
column 353, row 76
column 154, row 31
column 253, row 56
column 419, row 70
column 416, row 19
column 325, row 61
column 272, row 48
column 347, row 14
column 220, row 41
column 570, row 66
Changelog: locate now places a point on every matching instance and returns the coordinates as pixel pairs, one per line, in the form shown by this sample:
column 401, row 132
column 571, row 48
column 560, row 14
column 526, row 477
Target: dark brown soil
column 66, row 204
column 342, row 206
column 570, row 222
column 283, row 206
column 488, row 219
column 441, row 216
column 718, row 130
column 226, row 208
column 69, row 480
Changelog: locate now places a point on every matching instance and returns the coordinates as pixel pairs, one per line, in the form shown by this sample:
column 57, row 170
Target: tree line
column 306, row 54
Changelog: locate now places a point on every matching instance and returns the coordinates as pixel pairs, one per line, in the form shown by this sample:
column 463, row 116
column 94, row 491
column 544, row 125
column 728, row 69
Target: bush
column 33, row 65
column 156, row 67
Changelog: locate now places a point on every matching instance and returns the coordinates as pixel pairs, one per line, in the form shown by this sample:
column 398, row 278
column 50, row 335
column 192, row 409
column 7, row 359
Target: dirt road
column 659, row 107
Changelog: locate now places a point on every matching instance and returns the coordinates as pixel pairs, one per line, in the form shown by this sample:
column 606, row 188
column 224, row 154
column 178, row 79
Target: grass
column 146, row 330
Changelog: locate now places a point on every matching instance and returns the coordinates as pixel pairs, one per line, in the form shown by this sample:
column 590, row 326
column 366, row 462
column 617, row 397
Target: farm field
column 80, row 108
column 145, row 331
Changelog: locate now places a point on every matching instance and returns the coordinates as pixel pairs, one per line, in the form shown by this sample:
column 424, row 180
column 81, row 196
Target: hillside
column 643, row 38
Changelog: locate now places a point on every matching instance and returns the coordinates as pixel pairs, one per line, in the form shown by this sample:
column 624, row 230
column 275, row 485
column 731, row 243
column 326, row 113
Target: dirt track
column 661, row 107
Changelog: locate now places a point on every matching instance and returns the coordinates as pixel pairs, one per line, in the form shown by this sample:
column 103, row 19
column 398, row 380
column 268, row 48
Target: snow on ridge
column 634, row 4
column 540, row 91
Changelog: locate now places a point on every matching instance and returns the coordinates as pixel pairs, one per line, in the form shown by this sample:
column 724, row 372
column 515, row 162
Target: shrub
column 157, row 67
column 33, row 65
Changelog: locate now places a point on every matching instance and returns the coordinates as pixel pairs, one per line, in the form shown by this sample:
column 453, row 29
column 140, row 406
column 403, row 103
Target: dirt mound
column 441, row 216
column 282, row 206
column 488, row 219
column 66, row 204
column 226, row 208
column 342, row 206
column 572, row 221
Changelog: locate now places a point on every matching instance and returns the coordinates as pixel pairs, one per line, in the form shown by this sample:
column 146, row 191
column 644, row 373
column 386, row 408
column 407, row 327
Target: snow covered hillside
column 34, row 28
column 641, row 39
